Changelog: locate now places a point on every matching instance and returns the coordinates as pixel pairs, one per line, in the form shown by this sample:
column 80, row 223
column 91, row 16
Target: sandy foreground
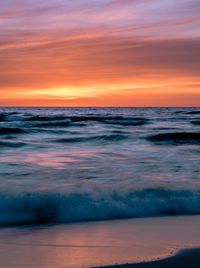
column 102, row 243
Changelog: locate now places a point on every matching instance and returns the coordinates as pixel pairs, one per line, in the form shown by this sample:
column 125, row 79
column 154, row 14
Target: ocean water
column 60, row 165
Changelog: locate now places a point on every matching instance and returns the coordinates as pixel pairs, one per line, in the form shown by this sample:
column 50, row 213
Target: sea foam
column 30, row 208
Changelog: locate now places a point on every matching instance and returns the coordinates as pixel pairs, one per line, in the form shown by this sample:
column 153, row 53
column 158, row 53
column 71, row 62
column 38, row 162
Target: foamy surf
column 31, row 208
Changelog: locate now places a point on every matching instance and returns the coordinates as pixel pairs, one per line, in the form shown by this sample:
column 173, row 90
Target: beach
column 103, row 243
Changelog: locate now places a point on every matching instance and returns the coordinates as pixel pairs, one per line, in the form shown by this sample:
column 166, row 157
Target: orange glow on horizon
column 102, row 57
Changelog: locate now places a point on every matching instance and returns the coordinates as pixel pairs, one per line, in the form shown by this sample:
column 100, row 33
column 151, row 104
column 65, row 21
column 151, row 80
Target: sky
column 99, row 53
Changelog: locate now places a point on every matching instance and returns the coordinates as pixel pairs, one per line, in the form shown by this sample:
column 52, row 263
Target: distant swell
column 112, row 137
column 176, row 138
column 196, row 122
column 126, row 122
column 9, row 144
column 11, row 130
column 2, row 117
column 101, row 205
column 114, row 120
column 194, row 112
column 45, row 118
column 65, row 120
column 53, row 124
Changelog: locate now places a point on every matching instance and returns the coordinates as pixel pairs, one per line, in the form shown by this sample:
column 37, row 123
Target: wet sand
column 93, row 244
column 184, row 259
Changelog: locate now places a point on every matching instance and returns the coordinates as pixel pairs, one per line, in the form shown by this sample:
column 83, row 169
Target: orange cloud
column 125, row 61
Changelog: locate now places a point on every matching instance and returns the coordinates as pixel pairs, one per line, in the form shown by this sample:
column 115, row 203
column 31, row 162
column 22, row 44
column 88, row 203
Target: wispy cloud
column 97, row 44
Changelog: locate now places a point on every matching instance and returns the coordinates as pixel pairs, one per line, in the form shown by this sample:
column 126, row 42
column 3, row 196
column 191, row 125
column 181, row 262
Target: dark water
column 72, row 164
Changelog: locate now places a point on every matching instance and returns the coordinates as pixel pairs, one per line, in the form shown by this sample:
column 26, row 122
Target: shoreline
column 182, row 259
column 139, row 242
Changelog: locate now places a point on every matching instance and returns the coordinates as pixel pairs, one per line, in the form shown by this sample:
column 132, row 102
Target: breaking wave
column 38, row 208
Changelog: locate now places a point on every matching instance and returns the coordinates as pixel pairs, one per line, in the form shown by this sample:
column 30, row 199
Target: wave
column 53, row 124
column 193, row 112
column 13, row 113
column 11, row 130
column 45, row 118
column 38, row 208
column 100, row 138
column 116, row 120
column 2, row 117
column 127, row 122
column 195, row 122
column 61, row 119
column 176, row 138
column 11, row 144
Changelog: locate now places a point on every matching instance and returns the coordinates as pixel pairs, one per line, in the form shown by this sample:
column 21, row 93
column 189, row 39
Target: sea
column 66, row 165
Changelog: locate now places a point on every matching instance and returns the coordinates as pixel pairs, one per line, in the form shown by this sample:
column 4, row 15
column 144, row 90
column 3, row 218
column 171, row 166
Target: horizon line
column 196, row 107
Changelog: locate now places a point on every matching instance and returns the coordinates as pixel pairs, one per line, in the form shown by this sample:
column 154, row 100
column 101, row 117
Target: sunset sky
column 99, row 53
